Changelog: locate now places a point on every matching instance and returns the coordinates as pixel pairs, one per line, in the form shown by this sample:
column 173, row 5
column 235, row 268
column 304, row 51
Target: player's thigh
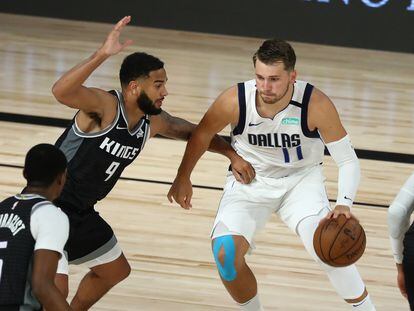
column 91, row 241
column 113, row 271
column 243, row 209
column 307, row 198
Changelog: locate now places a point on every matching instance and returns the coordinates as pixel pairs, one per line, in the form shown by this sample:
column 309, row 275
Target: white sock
column 252, row 305
column 364, row 305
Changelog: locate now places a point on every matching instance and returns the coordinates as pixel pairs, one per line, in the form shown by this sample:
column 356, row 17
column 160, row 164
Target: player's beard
column 276, row 98
column 147, row 105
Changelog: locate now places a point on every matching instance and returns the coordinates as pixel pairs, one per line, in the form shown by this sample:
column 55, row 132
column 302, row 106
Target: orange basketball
column 339, row 242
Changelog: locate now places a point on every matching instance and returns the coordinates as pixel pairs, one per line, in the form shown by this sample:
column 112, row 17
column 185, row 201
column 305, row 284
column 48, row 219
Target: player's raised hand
column 112, row 44
column 242, row 170
column 181, row 191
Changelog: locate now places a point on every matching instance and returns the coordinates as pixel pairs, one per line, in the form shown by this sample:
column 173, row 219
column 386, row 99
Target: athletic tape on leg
column 228, row 270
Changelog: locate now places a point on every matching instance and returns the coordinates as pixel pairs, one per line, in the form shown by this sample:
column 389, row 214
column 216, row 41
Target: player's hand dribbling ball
column 339, row 242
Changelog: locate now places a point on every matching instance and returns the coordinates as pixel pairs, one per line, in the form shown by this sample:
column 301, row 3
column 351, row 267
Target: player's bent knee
column 113, row 272
column 122, row 273
column 126, row 271
column 224, row 251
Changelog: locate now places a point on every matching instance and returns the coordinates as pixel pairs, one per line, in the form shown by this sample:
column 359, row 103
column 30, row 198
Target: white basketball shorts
column 245, row 209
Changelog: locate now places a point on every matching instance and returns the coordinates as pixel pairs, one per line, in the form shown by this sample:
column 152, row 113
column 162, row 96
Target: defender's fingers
column 237, row 176
column 121, row 24
column 127, row 43
column 188, row 200
column 244, row 177
column 253, row 171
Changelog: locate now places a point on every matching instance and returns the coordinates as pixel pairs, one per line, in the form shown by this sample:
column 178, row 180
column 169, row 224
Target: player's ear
column 24, row 174
column 293, row 75
column 61, row 178
column 134, row 87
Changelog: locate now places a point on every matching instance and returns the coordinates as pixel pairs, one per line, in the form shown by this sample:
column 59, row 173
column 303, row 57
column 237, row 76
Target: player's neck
column 44, row 192
column 270, row 110
column 133, row 113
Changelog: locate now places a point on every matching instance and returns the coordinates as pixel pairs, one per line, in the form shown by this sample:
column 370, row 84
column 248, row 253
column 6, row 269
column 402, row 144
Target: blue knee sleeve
column 228, row 270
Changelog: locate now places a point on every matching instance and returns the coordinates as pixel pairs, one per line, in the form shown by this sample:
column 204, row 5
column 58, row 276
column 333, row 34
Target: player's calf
column 99, row 281
column 346, row 281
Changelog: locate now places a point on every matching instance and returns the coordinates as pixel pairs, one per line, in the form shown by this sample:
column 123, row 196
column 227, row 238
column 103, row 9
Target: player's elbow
column 57, row 89
column 398, row 220
column 60, row 93
column 395, row 213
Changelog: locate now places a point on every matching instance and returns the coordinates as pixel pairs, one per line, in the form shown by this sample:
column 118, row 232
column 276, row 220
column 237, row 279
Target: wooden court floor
column 167, row 247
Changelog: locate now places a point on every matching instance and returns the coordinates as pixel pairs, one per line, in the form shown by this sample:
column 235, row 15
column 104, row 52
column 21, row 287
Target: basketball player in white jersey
column 280, row 125
column 402, row 238
column 106, row 135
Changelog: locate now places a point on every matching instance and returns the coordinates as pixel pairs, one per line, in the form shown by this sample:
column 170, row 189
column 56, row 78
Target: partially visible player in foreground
column 402, row 238
column 33, row 233
column 280, row 125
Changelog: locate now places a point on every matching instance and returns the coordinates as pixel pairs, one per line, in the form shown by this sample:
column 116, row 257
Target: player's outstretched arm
column 174, row 127
column 222, row 112
column 43, row 280
column 324, row 117
column 69, row 89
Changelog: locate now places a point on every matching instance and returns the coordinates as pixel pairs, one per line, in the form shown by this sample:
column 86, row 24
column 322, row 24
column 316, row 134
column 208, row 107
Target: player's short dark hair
column 274, row 50
column 43, row 164
column 137, row 65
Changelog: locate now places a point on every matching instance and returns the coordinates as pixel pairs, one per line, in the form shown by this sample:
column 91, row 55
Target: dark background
column 334, row 22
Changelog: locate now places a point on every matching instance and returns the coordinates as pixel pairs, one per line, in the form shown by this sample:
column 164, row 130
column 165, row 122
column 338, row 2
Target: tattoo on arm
column 176, row 127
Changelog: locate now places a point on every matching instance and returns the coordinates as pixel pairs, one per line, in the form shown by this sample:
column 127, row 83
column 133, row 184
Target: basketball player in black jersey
column 33, row 233
column 107, row 134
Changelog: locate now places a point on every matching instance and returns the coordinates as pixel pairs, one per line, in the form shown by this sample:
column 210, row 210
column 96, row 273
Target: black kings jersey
column 96, row 160
column 16, row 252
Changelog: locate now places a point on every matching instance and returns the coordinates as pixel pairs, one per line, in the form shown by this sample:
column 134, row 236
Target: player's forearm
column 349, row 170
column 219, row 145
column 50, row 297
column 72, row 80
column 196, row 147
column 397, row 248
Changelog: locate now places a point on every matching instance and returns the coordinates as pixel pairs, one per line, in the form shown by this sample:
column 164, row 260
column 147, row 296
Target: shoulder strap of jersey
column 304, row 113
column 40, row 204
column 242, row 109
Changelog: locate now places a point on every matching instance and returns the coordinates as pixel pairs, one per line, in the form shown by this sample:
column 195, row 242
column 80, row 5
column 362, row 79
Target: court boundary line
column 59, row 122
column 194, row 186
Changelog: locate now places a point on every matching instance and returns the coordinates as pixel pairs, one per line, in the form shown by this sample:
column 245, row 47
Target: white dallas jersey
column 280, row 146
